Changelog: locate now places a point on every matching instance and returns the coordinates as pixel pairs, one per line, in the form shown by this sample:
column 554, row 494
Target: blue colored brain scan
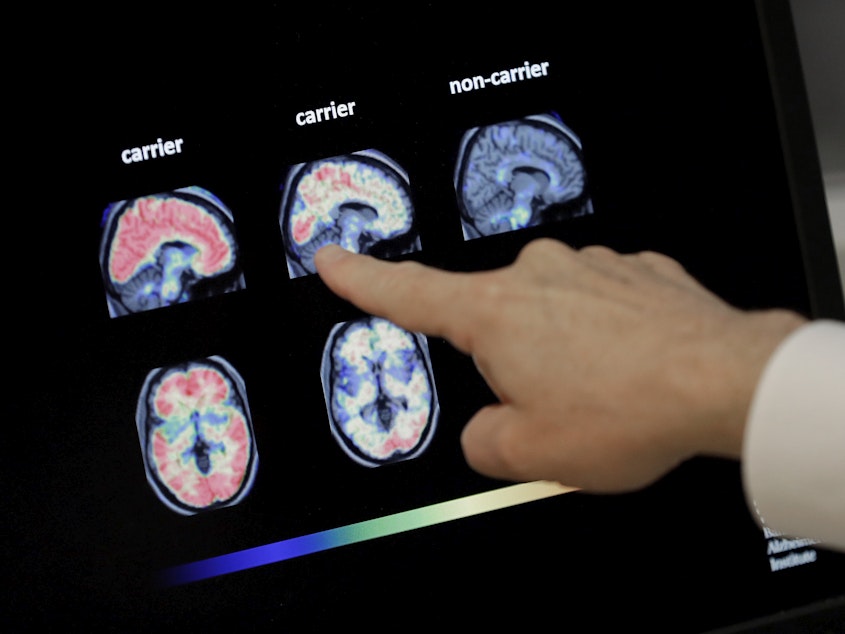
column 360, row 201
column 379, row 390
column 196, row 435
column 519, row 174
column 167, row 248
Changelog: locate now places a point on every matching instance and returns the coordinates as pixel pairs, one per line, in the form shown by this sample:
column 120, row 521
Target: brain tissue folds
column 379, row 390
column 196, row 435
column 519, row 174
column 360, row 201
column 167, row 248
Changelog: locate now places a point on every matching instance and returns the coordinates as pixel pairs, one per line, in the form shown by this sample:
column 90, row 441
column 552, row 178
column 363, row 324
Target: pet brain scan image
column 196, row 435
column 379, row 389
column 519, row 174
column 360, row 201
column 168, row 248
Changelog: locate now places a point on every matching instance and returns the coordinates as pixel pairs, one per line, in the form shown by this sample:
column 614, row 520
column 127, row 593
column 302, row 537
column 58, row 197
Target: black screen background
column 682, row 153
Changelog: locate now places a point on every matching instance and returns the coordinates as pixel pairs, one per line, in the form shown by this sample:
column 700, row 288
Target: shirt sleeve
column 793, row 462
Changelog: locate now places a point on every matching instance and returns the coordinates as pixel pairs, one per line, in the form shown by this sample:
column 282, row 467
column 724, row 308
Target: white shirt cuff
column 794, row 448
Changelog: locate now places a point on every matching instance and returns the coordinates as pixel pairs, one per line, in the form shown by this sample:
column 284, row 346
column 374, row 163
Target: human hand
column 610, row 369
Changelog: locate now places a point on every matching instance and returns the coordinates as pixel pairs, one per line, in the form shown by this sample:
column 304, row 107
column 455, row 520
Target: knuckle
column 662, row 263
column 657, row 258
column 403, row 277
column 542, row 247
column 599, row 251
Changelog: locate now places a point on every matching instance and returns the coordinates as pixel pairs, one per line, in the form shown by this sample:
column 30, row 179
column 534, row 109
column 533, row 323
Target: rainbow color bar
column 361, row 531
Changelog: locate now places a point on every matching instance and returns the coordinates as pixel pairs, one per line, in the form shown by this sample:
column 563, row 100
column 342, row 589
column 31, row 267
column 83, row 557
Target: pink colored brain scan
column 379, row 390
column 360, row 201
column 167, row 248
column 196, row 435
column 519, row 174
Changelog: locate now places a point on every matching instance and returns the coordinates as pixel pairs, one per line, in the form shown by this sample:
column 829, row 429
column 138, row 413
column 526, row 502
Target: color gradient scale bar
column 361, row 531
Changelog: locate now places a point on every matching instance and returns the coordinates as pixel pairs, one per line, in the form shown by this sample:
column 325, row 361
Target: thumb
column 494, row 443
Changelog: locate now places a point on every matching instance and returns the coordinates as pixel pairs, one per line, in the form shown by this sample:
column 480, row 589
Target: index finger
column 411, row 295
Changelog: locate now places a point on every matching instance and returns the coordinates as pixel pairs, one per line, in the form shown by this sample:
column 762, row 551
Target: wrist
column 739, row 360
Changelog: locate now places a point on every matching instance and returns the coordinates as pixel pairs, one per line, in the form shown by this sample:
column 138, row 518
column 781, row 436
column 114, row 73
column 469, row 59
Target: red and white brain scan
column 168, row 248
column 379, row 389
column 360, row 201
column 517, row 174
column 196, row 435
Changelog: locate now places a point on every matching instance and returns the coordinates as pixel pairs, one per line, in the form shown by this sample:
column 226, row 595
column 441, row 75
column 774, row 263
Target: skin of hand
column 610, row 369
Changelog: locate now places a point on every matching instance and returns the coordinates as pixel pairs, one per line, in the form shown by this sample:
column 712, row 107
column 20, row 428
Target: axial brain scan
column 360, row 201
column 519, row 174
column 167, row 248
column 379, row 390
column 196, row 435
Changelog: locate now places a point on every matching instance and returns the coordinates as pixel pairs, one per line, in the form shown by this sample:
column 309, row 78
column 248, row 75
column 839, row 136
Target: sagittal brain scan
column 379, row 389
column 196, row 435
column 519, row 174
column 167, row 248
column 360, row 201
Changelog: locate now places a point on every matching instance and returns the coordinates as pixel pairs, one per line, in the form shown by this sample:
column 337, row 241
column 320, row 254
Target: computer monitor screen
column 204, row 439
